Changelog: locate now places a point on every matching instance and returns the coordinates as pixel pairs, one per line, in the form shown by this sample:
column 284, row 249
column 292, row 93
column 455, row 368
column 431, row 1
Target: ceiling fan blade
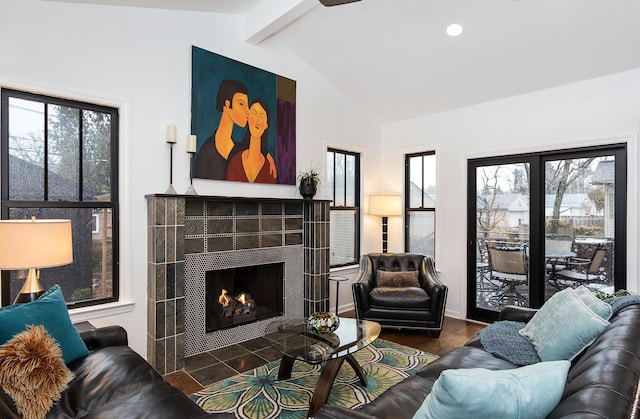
column 336, row 2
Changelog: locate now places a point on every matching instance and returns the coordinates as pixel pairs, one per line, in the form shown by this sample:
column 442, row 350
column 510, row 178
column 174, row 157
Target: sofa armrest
column 362, row 286
column 433, row 286
column 517, row 313
column 102, row 337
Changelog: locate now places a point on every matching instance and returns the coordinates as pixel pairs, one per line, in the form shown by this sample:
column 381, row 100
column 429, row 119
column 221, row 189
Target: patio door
column 559, row 220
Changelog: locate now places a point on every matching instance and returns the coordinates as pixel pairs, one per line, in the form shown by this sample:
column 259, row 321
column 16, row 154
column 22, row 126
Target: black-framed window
column 343, row 187
column 420, row 203
column 59, row 159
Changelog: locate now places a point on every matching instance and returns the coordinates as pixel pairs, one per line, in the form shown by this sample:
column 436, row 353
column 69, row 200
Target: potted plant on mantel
column 309, row 181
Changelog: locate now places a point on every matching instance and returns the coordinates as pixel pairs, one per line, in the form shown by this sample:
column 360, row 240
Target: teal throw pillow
column 49, row 311
column 529, row 392
column 563, row 327
column 598, row 306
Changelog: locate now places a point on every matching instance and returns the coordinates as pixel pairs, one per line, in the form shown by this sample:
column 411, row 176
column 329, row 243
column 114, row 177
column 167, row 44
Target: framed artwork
column 244, row 119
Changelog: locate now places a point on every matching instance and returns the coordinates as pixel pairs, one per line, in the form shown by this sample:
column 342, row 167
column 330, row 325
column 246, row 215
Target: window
column 420, row 203
column 59, row 160
column 563, row 212
column 343, row 186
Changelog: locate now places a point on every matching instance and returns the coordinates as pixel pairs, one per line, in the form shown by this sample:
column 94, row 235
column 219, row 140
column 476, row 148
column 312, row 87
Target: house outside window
column 59, row 160
column 420, row 203
column 343, row 187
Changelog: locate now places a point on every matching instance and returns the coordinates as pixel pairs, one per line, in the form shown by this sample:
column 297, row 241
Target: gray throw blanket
column 503, row 340
column 618, row 303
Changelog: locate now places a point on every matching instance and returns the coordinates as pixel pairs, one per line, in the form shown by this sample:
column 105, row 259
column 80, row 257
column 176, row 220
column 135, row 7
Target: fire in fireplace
column 242, row 295
column 236, row 306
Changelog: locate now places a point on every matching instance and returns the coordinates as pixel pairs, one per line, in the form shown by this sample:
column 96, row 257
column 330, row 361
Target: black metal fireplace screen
column 243, row 295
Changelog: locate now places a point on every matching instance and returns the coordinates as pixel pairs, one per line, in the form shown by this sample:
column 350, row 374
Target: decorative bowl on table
column 323, row 322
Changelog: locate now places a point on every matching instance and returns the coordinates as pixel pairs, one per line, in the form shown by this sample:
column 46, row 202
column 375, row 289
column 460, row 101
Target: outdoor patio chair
column 582, row 271
column 508, row 264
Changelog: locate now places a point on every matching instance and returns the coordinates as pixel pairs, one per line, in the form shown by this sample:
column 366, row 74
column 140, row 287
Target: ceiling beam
column 268, row 17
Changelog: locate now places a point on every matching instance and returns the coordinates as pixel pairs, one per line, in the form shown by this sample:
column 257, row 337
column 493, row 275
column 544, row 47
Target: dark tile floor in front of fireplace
column 208, row 367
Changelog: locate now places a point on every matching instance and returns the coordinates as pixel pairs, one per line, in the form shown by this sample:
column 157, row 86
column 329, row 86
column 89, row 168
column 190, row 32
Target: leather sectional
column 602, row 381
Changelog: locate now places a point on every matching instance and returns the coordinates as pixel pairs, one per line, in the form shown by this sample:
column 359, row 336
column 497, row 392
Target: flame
column 241, row 299
column 224, row 299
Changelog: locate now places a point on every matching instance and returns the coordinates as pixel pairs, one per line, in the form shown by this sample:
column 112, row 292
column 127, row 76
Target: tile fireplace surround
column 188, row 235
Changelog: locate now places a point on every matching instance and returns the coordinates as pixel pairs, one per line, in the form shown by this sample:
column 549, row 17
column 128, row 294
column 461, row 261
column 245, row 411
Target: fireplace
column 192, row 235
column 242, row 295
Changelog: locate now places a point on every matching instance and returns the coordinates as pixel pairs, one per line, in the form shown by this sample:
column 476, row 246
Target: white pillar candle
column 171, row 134
column 191, row 143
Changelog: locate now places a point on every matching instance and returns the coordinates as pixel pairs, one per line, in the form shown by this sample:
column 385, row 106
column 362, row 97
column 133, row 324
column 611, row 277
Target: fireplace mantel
column 195, row 226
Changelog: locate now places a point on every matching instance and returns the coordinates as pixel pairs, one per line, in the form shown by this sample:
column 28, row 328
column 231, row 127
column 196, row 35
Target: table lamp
column 385, row 205
column 34, row 244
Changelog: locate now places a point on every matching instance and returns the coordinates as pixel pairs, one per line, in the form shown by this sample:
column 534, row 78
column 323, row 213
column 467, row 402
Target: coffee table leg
column 357, row 369
column 286, row 365
column 328, row 376
column 323, row 387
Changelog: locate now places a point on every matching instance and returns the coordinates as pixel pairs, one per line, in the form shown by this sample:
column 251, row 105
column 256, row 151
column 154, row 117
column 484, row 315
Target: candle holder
column 171, row 190
column 171, row 139
column 191, row 149
column 191, row 190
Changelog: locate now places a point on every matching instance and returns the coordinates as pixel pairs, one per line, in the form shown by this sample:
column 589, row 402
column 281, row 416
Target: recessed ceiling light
column 454, row 29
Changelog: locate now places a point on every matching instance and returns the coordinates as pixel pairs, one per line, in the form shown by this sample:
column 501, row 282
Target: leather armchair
column 419, row 308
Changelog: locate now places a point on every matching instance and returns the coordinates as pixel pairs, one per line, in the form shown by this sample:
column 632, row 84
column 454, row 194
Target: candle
column 191, row 143
column 171, row 133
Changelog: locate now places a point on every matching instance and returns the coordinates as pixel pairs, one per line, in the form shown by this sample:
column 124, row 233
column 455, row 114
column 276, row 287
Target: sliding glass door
column 539, row 223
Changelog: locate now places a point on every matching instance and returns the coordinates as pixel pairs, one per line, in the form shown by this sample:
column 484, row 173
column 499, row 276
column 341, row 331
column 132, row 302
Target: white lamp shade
column 26, row 244
column 385, row 205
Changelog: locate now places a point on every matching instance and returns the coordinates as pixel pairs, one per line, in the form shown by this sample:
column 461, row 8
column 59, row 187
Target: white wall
column 140, row 61
column 597, row 111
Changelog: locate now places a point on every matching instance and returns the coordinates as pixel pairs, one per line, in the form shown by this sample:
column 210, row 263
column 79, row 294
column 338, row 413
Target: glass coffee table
column 296, row 342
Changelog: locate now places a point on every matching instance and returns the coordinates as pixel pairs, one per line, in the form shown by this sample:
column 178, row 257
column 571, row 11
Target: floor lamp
column 34, row 244
column 385, row 206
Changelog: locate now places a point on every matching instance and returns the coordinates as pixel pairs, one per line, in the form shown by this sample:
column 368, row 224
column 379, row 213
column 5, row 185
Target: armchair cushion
column 400, row 297
column 397, row 279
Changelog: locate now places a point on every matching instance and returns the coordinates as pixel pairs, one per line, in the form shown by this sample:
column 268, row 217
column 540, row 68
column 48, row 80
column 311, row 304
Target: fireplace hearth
column 244, row 294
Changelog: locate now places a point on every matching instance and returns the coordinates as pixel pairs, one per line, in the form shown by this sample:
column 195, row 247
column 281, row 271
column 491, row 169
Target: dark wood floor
column 454, row 334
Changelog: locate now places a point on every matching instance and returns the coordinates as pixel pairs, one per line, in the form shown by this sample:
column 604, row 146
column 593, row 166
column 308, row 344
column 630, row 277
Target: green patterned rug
column 257, row 394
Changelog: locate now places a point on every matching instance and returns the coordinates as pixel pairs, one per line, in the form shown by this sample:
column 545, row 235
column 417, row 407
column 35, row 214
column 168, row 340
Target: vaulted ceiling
column 394, row 59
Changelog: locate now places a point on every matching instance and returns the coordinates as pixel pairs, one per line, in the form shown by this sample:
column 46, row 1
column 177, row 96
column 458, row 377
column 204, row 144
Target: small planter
column 308, row 188
column 309, row 182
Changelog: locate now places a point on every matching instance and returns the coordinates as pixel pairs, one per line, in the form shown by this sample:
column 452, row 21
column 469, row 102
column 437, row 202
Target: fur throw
column 32, row 371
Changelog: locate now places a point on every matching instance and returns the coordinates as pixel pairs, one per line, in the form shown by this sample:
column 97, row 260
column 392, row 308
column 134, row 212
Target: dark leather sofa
column 602, row 381
column 400, row 307
column 113, row 381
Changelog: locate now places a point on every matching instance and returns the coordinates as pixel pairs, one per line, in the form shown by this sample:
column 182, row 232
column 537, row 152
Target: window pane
column 330, row 174
column 579, row 222
column 90, row 275
column 502, row 226
column 351, row 180
column 340, row 176
column 343, row 237
column 64, row 153
column 96, row 155
column 26, row 149
column 429, row 181
column 415, row 182
column 422, row 232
